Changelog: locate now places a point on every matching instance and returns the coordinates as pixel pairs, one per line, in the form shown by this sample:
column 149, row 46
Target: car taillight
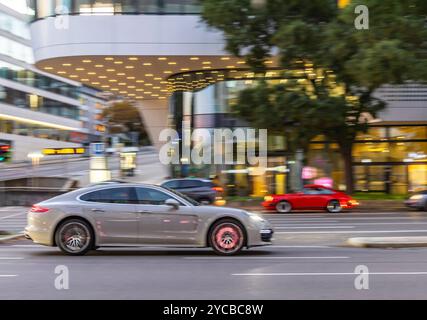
column 38, row 209
column 218, row 189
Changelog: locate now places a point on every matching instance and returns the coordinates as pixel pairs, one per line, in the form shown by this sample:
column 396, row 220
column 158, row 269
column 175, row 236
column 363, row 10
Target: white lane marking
column 317, row 227
column 8, row 275
column 310, row 247
column 418, row 218
column 416, row 273
column 13, row 215
column 262, row 258
column 356, row 224
column 349, row 232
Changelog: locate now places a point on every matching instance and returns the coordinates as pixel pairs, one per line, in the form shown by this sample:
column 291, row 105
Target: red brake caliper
column 227, row 238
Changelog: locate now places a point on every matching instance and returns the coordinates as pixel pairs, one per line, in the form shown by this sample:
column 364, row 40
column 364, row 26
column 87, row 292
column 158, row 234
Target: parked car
column 418, row 200
column 315, row 197
column 202, row 190
column 125, row 214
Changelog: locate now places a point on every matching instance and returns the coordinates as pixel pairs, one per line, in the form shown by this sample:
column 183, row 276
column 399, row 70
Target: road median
column 387, row 242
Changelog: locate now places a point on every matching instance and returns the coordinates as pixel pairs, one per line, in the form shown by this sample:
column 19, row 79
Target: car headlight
column 416, row 197
column 268, row 198
column 256, row 217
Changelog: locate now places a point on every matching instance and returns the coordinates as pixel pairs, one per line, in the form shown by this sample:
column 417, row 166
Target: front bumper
column 266, row 235
column 416, row 204
column 269, row 205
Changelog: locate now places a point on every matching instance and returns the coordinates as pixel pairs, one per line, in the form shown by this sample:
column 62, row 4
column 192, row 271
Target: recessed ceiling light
column 91, row 73
column 194, row 58
column 172, row 63
column 102, row 77
column 109, row 58
column 67, row 64
column 148, row 84
column 131, row 87
column 87, row 61
column 206, row 62
column 131, row 78
column 112, row 80
column 95, row 83
column 131, row 94
column 74, row 76
column 62, row 72
column 114, row 89
column 48, row 68
column 121, row 74
column 147, row 64
column 80, row 69
column 206, row 67
column 149, row 75
column 99, row 66
column 156, row 88
column 148, row 92
column 84, row 80
column 158, row 79
column 105, row 86
column 133, row 58
column 167, row 72
column 129, row 67
column 140, row 81
column 111, row 70
column 122, row 83
column 162, row 58
column 225, row 58
column 140, row 90
column 185, row 69
column 140, row 97
column 124, row 92
column 118, row 62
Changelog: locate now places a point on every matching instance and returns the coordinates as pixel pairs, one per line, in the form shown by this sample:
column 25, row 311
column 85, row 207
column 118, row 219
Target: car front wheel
column 334, row 206
column 74, row 237
column 227, row 237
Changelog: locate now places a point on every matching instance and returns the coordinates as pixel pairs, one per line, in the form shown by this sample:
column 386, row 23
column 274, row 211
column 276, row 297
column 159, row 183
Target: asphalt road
column 307, row 261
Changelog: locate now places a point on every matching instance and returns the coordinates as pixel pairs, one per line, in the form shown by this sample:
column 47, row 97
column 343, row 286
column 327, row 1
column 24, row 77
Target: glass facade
column 14, row 26
column 34, row 102
column 38, row 131
column 32, row 79
column 16, row 50
column 48, row 8
column 387, row 158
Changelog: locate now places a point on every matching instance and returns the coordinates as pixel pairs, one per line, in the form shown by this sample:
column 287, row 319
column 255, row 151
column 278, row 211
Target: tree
column 339, row 65
column 124, row 117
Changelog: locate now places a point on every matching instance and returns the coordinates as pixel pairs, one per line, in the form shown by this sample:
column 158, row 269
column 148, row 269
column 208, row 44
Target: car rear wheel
column 74, row 237
column 283, row 207
column 334, row 206
column 227, row 237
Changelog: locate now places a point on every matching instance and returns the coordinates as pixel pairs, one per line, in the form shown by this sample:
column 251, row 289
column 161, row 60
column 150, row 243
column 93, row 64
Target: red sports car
column 311, row 197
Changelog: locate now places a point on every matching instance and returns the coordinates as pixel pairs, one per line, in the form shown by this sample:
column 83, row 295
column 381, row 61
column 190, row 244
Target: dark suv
column 201, row 190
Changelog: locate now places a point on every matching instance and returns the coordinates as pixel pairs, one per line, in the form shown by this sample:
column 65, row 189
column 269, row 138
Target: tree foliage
column 124, row 117
column 340, row 66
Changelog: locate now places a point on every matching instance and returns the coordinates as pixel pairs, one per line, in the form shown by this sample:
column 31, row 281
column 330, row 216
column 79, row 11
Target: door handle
column 98, row 210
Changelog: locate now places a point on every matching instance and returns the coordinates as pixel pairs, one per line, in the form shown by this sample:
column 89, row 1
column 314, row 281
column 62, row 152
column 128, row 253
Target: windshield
column 187, row 198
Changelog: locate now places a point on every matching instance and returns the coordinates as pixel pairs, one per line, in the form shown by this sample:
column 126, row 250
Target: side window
column 310, row 191
column 325, row 191
column 172, row 184
column 113, row 195
column 190, row 183
column 151, row 196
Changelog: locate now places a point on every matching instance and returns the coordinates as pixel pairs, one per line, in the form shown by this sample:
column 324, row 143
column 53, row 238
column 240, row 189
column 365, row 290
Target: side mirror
column 173, row 203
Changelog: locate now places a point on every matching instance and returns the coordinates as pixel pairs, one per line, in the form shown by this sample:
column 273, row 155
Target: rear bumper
column 39, row 235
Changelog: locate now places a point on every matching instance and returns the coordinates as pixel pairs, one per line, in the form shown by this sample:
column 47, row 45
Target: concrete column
column 155, row 116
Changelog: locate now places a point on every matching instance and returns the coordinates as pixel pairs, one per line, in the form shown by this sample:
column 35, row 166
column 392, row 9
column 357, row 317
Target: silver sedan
column 125, row 215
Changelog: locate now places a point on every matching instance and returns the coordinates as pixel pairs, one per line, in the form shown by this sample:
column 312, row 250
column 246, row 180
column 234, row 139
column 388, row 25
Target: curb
column 18, row 236
column 387, row 242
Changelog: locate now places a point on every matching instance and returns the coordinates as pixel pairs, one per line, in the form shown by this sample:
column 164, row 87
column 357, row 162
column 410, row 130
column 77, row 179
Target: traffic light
column 5, row 153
